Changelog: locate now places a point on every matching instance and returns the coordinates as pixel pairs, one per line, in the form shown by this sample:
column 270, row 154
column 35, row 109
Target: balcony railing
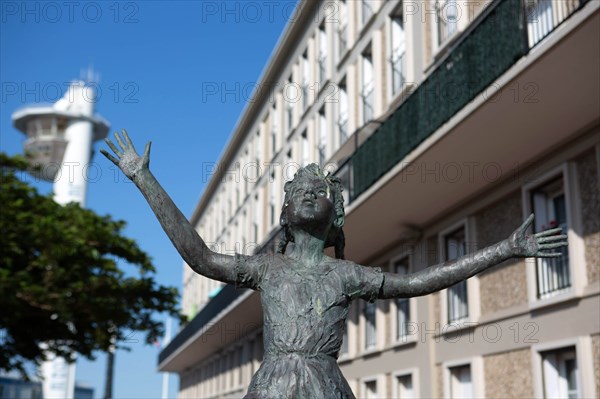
column 342, row 40
column 304, row 95
column 367, row 11
column 397, row 67
column 447, row 19
column 543, row 16
column 343, row 127
column 226, row 296
column 322, row 67
column 553, row 275
column 367, row 101
column 476, row 60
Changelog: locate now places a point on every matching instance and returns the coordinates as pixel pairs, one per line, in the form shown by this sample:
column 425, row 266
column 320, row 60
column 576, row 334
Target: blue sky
column 156, row 61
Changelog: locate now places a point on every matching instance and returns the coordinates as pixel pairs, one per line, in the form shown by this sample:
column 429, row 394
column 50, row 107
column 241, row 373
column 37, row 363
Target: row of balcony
column 501, row 35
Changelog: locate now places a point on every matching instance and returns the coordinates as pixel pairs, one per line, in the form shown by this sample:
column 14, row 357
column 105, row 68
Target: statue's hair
column 335, row 237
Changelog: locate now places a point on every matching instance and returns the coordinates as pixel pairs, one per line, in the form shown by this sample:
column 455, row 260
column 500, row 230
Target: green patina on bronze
column 306, row 294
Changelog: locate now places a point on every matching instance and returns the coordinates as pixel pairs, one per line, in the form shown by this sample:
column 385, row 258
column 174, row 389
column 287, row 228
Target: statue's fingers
column 556, row 245
column 548, row 232
column 120, row 141
column 526, row 223
column 552, row 238
column 147, row 150
column 110, row 157
column 548, row 254
column 113, row 147
column 127, row 139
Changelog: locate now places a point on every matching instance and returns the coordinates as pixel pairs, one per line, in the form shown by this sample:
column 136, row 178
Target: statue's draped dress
column 305, row 310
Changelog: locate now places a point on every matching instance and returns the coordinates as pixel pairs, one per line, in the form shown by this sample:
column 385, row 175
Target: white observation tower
column 59, row 142
column 60, row 139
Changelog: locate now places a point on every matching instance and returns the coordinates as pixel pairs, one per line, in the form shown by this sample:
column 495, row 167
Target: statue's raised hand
column 537, row 245
column 127, row 158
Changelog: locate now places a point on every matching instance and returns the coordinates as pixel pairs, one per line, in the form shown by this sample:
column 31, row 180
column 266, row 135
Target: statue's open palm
column 127, row 159
column 536, row 245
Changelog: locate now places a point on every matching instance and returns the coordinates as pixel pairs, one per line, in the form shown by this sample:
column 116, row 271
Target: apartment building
column 448, row 122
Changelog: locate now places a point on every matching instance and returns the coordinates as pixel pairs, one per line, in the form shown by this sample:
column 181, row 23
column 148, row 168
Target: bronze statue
column 306, row 294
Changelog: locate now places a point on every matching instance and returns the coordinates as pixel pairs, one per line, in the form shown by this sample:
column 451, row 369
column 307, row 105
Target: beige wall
column 596, row 357
column 439, row 382
column 506, row 284
column 508, row 374
column 587, row 174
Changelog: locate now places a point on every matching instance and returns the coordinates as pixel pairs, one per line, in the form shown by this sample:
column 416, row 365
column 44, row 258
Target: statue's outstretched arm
column 435, row 278
column 187, row 241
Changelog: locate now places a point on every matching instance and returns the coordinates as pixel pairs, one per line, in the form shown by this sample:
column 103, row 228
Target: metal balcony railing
column 397, row 67
column 322, row 67
column 474, row 61
column 342, row 40
column 367, row 101
column 543, row 16
column 366, row 11
column 343, row 127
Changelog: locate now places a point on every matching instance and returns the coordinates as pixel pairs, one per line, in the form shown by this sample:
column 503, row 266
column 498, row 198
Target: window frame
column 576, row 247
column 413, row 372
column 397, row 13
column 462, row 21
column 584, row 358
column 379, row 383
column 365, row 344
column 472, row 283
column 367, row 88
column 477, row 375
column 412, row 304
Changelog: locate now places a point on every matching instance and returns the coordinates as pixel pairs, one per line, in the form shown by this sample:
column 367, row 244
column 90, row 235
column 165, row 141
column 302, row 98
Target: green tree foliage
column 60, row 283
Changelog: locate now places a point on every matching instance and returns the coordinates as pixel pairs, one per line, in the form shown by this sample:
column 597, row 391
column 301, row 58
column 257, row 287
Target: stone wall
column 504, row 285
column 587, row 175
column 508, row 375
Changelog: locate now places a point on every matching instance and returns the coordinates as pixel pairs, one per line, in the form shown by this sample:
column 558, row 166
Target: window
column 246, row 159
column 397, row 52
column 273, row 130
column 370, row 389
column 344, row 348
column 240, row 363
column 342, row 30
column 455, row 247
column 370, row 311
column 404, row 387
column 343, row 113
column 289, row 102
column 305, row 149
column 322, row 147
column 257, row 219
column 461, row 385
column 447, row 19
column 366, row 10
column 345, row 175
column 322, row 54
column 257, row 150
column 367, row 85
column 290, row 167
column 402, row 304
column 305, row 80
column 560, row 374
column 549, row 205
column 272, row 207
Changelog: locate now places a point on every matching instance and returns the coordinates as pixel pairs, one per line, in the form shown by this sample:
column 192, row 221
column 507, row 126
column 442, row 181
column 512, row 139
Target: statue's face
column 311, row 204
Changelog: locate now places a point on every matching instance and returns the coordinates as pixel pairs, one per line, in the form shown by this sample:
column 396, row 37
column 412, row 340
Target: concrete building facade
column 449, row 122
